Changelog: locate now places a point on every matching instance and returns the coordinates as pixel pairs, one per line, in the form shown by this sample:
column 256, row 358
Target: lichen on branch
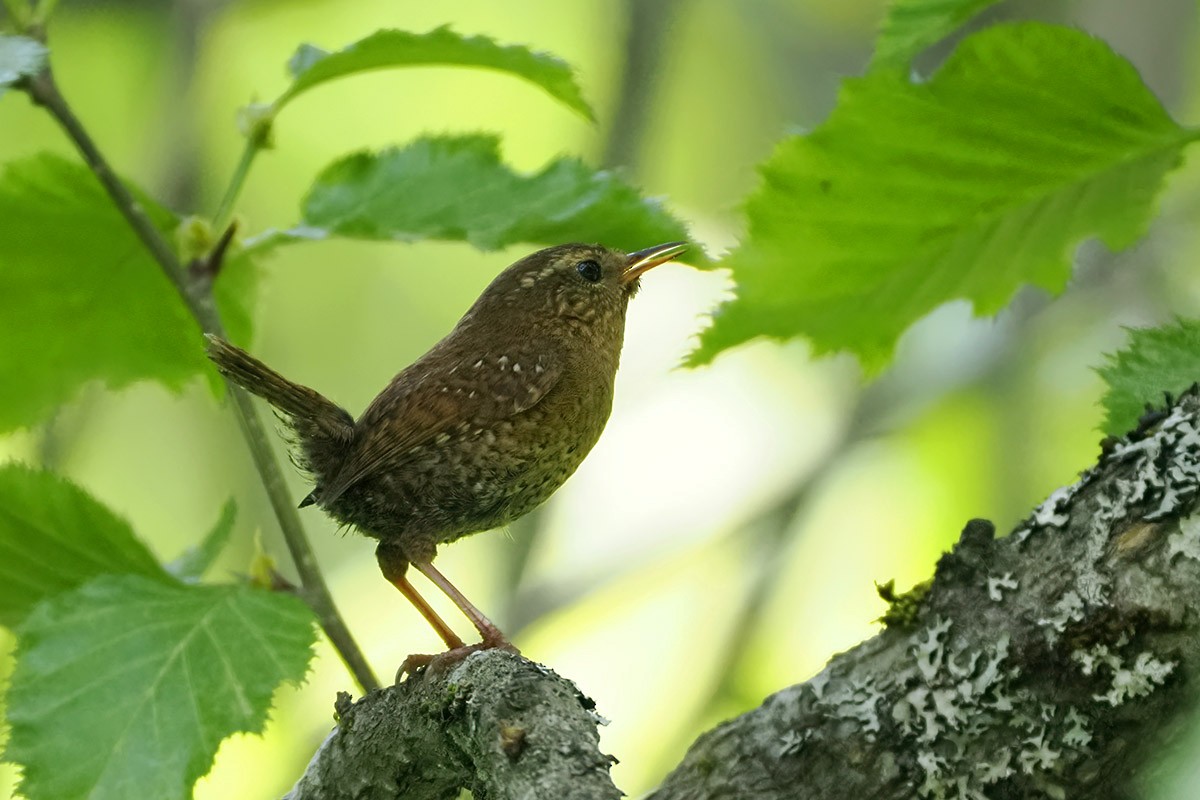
column 1051, row 662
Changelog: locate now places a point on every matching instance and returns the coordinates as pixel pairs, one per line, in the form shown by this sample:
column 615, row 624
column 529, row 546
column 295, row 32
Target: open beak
column 649, row 258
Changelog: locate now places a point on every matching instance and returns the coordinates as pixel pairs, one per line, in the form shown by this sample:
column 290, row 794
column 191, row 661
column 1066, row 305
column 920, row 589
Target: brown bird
column 481, row 429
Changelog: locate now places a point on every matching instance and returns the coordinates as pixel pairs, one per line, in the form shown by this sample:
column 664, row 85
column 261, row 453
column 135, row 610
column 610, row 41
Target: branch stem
column 196, row 291
column 225, row 210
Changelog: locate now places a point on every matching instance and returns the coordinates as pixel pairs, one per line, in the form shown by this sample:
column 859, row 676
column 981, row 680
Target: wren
column 478, row 431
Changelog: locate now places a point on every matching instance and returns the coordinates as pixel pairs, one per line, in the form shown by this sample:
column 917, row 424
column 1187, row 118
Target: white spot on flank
column 503, row 362
column 516, row 367
column 442, row 438
column 539, row 369
column 478, row 364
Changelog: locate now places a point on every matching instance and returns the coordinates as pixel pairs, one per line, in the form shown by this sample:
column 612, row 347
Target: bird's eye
column 590, row 270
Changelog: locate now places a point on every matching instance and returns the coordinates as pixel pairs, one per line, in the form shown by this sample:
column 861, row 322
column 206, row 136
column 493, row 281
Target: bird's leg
column 492, row 637
column 393, row 565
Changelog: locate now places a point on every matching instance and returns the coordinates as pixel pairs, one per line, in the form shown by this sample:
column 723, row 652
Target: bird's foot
column 435, row 664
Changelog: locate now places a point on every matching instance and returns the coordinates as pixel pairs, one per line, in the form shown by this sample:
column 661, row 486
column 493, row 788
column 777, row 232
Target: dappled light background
column 722, row 540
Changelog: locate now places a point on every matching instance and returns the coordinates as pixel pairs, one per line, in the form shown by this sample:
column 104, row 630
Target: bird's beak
column 649, row 258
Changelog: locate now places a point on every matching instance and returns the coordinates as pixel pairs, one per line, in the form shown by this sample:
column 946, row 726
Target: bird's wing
column 421, row 404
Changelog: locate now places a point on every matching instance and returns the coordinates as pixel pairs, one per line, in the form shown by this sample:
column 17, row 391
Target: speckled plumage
column 485, row 426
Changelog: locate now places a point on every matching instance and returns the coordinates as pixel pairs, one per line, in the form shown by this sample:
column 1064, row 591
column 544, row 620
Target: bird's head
column 578, row 286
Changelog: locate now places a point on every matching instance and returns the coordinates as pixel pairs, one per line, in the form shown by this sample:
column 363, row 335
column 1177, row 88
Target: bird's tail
column 313, row 416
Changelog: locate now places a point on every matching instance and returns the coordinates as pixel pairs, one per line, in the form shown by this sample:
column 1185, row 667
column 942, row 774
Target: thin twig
column 254, row 143
column 647, row 36
column 197, row 294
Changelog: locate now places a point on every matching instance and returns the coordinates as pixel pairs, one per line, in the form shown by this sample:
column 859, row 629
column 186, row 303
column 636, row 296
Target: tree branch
column 495, row 723
column 1054, row 662
column 196, row 291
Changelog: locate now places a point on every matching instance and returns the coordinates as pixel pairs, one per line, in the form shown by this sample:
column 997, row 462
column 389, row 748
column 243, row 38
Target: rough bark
column 1054, row 662
column 495, row 723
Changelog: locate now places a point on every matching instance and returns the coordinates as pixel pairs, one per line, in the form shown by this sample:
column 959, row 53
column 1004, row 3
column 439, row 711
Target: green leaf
column 80, row 298
column 54, row 537
column 457, row 189
column 1156, row 360
column 197, row 560
column 1030, row 138
column 20, row 57
column 913, row 25
column 125, row 687
column 312, row 66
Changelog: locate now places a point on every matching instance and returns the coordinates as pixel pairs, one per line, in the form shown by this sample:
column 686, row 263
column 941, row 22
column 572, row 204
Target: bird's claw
column 440, row 662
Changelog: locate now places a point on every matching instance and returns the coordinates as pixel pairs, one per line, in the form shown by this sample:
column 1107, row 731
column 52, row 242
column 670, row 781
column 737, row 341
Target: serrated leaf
column 913, row 25
column 455, row 188
column 1155, row 361
column 54, row 536
column 197, row 560
column 125, row 687
column 80, row 298
column 20, row 57
column 311, row 66
column 1030, row 138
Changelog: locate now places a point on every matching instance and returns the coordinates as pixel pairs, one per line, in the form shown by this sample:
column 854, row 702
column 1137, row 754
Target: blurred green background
column 722, row 539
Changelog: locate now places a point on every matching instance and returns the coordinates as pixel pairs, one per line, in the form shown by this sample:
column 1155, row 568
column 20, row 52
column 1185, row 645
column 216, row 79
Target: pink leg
column 393, row 566
column 492, row 637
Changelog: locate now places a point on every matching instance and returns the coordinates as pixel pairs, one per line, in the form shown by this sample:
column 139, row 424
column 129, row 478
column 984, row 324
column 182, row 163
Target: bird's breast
column 481, row 473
